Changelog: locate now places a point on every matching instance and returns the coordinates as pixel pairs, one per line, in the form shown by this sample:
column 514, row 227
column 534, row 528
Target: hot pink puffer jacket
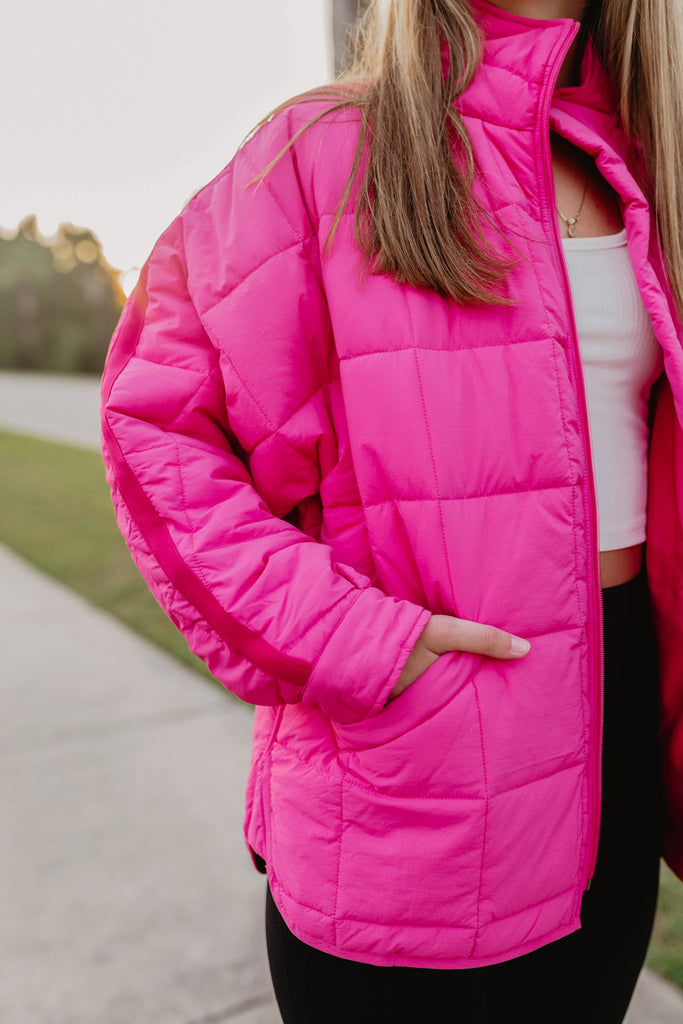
column 307, row 461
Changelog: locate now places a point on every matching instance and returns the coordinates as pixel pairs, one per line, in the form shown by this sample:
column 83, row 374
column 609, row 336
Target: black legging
column 585, row 978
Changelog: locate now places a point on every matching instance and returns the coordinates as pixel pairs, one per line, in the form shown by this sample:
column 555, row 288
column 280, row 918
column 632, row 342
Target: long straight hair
column 416, row 217
column 639, row 43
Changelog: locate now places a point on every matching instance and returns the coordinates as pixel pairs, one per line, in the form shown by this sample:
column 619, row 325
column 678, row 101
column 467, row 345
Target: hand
column 446, row 633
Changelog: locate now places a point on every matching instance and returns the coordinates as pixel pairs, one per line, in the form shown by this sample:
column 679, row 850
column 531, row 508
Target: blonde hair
column 416, row 217
column 639, row 43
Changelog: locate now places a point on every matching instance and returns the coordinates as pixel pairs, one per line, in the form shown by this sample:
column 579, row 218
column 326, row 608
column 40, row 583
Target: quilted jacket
column 307, row 460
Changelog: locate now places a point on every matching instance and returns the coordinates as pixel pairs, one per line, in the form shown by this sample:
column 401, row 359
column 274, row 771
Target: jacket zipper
column 596, row 634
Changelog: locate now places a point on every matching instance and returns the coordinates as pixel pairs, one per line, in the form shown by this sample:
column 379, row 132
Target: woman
column 346, row 430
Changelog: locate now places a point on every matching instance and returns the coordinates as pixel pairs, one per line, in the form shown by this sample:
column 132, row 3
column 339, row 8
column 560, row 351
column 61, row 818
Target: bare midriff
column 621, row 565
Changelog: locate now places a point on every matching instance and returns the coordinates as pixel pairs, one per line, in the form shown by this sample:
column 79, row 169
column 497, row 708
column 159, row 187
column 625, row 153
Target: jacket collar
column 520, row 63
column 514, row 87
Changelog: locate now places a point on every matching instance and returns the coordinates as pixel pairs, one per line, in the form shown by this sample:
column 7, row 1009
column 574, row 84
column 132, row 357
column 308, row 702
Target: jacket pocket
column 427, row 740
column 384, row 838
column 414, row 805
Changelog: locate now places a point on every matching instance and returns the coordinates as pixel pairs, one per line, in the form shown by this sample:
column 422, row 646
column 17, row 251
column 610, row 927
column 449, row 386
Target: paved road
column 128, row 894
column 61, row 408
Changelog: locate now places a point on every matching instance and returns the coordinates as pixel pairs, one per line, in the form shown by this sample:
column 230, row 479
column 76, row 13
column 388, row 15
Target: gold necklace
column 571, row 222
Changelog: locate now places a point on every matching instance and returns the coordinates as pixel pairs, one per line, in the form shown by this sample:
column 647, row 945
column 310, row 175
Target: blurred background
column 126, row 890
column 119, row 113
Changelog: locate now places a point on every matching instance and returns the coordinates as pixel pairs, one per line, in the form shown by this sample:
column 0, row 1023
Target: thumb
column 479, row 638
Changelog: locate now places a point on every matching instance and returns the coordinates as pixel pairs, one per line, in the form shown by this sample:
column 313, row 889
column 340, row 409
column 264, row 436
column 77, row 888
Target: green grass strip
column 665, row 955
column 56, row 512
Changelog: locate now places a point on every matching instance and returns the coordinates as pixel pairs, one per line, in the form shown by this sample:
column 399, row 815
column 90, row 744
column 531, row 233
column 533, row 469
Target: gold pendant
column 571, row 227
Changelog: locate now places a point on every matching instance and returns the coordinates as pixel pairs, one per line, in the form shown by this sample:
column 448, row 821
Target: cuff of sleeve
column 364, row 655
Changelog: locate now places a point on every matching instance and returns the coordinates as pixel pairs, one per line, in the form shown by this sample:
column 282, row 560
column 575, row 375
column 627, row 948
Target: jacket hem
column 431, row 962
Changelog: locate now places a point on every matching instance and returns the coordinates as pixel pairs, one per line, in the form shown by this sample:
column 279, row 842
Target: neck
column 544, row 10
column 548, row 10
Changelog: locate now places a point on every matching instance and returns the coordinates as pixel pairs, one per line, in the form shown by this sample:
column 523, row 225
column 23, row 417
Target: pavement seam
column 229, row 1014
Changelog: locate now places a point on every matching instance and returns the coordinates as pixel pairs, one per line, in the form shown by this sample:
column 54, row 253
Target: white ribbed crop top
column 621, row 360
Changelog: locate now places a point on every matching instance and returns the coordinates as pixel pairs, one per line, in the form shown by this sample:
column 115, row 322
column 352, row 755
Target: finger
column 479, row 638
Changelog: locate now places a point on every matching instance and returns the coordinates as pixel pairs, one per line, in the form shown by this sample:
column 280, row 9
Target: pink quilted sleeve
column 185, row 428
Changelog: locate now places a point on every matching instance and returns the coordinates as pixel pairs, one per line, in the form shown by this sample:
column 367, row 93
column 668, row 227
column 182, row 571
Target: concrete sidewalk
column 128, row 892
column 128, row 895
